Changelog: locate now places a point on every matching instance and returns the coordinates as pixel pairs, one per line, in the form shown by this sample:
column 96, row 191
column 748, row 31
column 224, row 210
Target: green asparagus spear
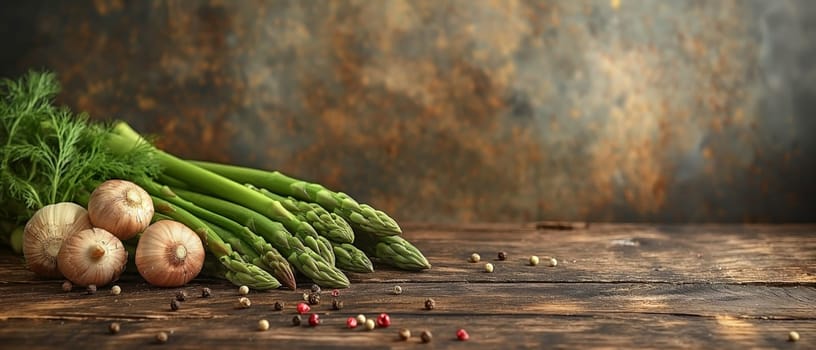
column 360, row 216
column 262, row 253
column 237, row 269
column 394, row 251
column 329, row 225
column 304, row 259
column 350, row 258
column 125, row 139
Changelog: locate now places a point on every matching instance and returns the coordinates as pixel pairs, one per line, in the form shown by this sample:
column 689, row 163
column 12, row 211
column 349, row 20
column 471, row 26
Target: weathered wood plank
column 660, row 286
column 140, row 301
column 486, row 331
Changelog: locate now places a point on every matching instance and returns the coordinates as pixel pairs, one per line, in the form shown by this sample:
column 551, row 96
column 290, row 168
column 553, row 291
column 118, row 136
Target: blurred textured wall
column 470, row 110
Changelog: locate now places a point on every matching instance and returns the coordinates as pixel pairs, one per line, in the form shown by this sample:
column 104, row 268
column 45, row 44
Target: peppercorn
column 314, row 298
column 244, row 302
column 383, row 320
column 181, row 295
column 303, row 308
column 793, row 336
column 426, row 336
column 315, row 288
column 533, row 260
column 263, row 325
column 430, row 304
column 314, row 320
column 91, row 289
column 502, row 256
column 337, row 304
column 174, row 305
column 243, row 290
column 397, row 290
column 67, row 286
column 113, row 328
column 278, row 306
column 116, row 290
column 369, row 324
column 351, row 322
column 405, row 334
column 335, row 293
column 305, row 296
column 552, row 262
column 205, row 292
column 462, row 335
column 475, row 257
column 161, row 337
column 296, row 320
column 361, row 319
column 488, row 267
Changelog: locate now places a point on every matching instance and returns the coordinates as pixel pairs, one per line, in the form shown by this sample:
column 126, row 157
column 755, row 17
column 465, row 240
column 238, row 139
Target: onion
column 169, row 254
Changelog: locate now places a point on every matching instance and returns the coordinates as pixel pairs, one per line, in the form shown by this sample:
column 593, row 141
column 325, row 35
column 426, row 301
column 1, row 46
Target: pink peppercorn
column 314, row 320
column 303, row 308
column 335, row 293
column 462, row 335
column 351, row 322
column 383, row 320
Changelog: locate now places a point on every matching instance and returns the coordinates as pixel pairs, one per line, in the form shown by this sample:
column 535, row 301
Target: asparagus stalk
column 350, row 258
column 304, row 259
column 238, row 271
column 361, row 217
column 125, row 138
column 394, row 251
column 327, row 224
column 240, row 237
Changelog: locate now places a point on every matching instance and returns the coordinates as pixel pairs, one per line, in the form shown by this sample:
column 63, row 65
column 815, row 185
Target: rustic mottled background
column 470, row 110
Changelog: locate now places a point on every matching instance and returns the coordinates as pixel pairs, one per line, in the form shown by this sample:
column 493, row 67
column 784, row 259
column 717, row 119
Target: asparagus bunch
column 361, row 216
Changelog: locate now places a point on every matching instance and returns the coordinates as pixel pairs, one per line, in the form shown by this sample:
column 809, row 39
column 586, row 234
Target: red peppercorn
column 314, row 320
column 335, row 293
column 383, row 320
column 462, row 334
column 303, row 308
column 351, row 322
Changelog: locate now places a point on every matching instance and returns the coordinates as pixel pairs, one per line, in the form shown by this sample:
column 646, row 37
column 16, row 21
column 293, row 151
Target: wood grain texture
column 615, row 286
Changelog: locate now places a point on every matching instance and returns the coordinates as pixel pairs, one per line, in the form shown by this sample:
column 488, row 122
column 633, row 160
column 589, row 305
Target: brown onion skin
column 77, row 264
column 45, row 232
column 156, row 255
column 121, row 207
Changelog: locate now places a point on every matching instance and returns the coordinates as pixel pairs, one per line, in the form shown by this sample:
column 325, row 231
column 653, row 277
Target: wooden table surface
column 615, row 286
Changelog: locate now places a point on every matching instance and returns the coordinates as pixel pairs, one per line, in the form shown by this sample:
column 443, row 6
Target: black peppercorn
column 91, row 289
column 502, row 256
column 296, row 320
column 67, row 286
column 174, row 305
column 315, row 288
column 429, row 304
column 181, row 295
column 314, row 298
column 426, row 336
column 113, row 328
column 337, row 304
column 278, row 305
column 205, row 292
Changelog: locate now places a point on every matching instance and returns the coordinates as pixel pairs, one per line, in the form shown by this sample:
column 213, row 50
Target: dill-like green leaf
column 49, row 154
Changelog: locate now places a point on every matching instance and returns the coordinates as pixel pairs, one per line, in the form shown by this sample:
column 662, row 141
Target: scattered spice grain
column 278, row 306
column 488, row 267
column 502, row 256
column 534, row 260
column 175, row 305
column 91, row 289
column 161, row 337
column 244, row 302
column 113, row 328
column 67, row 286
column 404, row 333
column 314, row 298
column 263, row 325
column 181, row 295
column 116, row 290
column 793, row 336
column 206, row 292
column 314, row 320
column 430, row 304
column 474, row 258
column 351, row 322
column 243, row 290
column 337, row 304
column 369, row 324
column 397, row 290
column 426, row 336
column 296, row 320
